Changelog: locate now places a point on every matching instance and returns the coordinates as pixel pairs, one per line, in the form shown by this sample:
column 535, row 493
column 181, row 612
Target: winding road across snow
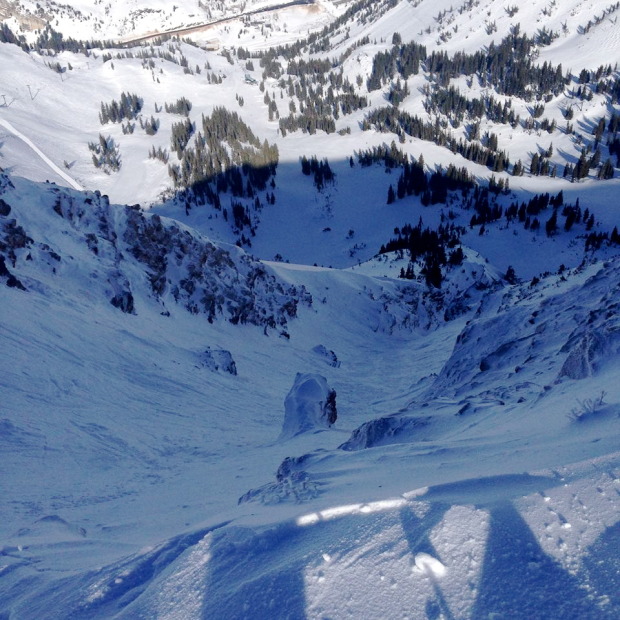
column 182, row 30
column 72, row 182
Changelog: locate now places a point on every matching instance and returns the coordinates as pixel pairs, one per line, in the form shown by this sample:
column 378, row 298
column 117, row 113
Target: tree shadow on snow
column 601, row 568
column 258, row 576
column 416, row 531
column 520, row 581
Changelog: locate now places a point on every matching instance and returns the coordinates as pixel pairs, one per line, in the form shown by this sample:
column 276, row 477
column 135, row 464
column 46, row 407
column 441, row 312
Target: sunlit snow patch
column 415, row 493
column 342, row 511
column 428, row 565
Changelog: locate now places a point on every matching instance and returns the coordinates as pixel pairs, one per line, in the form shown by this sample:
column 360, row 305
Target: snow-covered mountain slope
column 89, row 19
column 352, row 350
column 128, row 438
column 54, row 99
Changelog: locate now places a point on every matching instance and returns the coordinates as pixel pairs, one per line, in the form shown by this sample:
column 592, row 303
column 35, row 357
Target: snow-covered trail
column 18, row 134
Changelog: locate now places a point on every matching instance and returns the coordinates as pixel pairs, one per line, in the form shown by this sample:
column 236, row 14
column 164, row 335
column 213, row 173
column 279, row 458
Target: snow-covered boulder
column 310, row 405
column 384, row 431
column 293, row 484
column 585, row 352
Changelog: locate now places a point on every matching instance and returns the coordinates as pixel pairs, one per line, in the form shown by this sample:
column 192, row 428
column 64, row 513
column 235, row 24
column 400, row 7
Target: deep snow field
column 160, row 462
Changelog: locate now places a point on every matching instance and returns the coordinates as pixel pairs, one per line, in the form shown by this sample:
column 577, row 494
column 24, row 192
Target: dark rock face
column 219, row 359
column 124, row 301
column 383, row 431
column 177, row 265
column 11, row 280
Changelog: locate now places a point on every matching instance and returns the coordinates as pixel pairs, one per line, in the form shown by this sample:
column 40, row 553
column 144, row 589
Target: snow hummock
column 310, row 405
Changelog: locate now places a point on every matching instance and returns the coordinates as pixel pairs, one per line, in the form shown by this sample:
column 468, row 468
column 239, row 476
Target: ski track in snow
column 61, row 173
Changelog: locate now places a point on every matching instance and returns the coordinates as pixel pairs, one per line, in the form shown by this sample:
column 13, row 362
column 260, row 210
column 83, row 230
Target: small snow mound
column 428, row 565
column 52, row 527
column 310, row 405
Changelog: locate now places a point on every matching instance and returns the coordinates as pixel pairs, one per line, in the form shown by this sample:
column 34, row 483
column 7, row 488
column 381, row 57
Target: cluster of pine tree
column 170, row 53
column 451, row 103
column 404, row 59
column 8, row 36
column 181, row 134
column 398, row 92
column 528, row 214
column 150, row 125
column 307, row 123
column 508, row 67
column 390, row 157
column 585, row 163
column 225, row 157
column 321, row 171
column 437, row 248
column 320, row 104
column 160, row 154
column 105, row 154
column 182, row 106
column 128, row 108
column 612, row 8
column 51, row 42
column 595, row 240
column 390, row 119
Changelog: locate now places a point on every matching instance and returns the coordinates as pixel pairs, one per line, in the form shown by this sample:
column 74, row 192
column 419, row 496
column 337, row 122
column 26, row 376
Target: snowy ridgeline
column 128, row 258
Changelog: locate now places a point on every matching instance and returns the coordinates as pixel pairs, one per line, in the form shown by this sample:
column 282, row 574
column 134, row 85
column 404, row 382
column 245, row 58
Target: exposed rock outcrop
column 383, row 431
column 219, row 360
column 327, row 354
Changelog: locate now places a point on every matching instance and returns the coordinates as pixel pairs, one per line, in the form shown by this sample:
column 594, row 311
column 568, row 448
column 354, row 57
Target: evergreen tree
column 552, row 224
column 510, row 276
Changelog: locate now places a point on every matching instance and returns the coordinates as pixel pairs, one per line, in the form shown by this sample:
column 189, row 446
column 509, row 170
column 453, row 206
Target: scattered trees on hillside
column 182, row 106
column 127, row 108
column 105, row 154
column 321, row 171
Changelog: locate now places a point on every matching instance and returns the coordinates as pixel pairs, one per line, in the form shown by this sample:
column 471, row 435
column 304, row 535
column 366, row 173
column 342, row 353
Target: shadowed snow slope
column 125, row 454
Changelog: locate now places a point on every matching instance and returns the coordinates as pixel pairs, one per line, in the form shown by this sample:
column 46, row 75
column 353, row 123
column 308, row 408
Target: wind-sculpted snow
column 522, row 546
column 384, row 431
column 524, row 340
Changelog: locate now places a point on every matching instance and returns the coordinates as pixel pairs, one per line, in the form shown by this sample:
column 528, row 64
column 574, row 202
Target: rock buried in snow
column 384, row 431
column 219, row 359
column 310, row 405
column 328, row 355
